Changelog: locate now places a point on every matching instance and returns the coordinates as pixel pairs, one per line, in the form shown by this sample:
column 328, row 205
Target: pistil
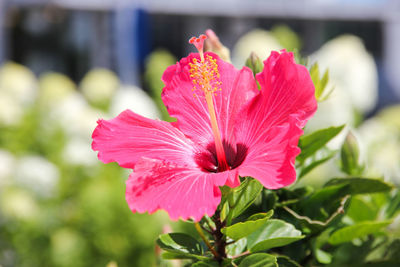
column 223, row 165
column 205, row 77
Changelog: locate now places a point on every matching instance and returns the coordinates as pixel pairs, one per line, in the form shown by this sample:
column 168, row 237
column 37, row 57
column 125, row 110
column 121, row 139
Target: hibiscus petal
column 129, row 136
column 237, row 87
column 272, row 160
column 272, row 122
column 183, row 192
column 287, row 89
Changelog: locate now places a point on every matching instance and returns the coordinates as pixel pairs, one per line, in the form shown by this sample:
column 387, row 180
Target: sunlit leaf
column 337, row 188
column 259, row 260
column 179, row 243
column 242, row 229
column 237, row 247
column 361, row 210
column 244, row 196
column 320, row 84
column 311, row 143
column 348, row 233
column 275, row 233
column 323, row 256
column 358, row 185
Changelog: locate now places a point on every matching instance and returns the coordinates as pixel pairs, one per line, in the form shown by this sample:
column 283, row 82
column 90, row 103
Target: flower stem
column 220, row 240
column 242, row 254
column 200, row 231
column 339, row 211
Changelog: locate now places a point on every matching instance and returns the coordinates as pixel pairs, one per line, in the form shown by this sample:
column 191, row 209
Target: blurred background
column 66, row 63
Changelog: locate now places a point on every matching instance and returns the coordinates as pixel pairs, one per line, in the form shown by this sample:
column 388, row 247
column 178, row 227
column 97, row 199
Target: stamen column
column 205, row 77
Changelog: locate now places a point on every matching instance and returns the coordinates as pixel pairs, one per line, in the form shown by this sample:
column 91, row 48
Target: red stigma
column 198, row 42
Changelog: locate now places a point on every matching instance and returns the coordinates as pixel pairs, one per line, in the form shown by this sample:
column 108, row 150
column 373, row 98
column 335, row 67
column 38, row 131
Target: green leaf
column 323, row 256
column 325, row 79
column 315, row 163
column 209, row 263
column 314, row 73
column 326, row 199
column 243, row 229
column 320, row 83
column 361, row 210
column 269, row 199
column 389, row 263
column 259, row 260
column 321, row 239
column 237, row 247
column 180, row 243
column 274, row 233
column 243, row 196
column 181, row 256
column 324, row 195
column 337, row 188
column 284, row 261
column 224, row 210
column 261, row 215
column 348, row 233
column 311, row 143
column 394, row 205
column 358, row 185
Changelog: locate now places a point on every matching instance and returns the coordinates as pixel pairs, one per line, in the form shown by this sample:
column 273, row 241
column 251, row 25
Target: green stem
column 339, row 211
column 200, row 231
column 242, row 254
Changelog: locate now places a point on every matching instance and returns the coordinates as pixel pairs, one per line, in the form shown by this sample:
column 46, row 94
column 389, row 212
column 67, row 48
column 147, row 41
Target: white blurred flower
column 78, row 152
column 37, row 174
column 63, row 106
column 259, row 41
column 382, row 143
column 390, row 116
column 54, row 88
column 7, row 166
column 135, row 99
column 99, row 85
column 66, row 246
column 336, row 110
column 17, row 91
column 11, row 111
column 74, row 115
column 351, row 69
column 18, row 82
column 19, row 204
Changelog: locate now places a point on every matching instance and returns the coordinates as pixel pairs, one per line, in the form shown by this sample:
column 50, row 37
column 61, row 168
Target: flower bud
column 214, row 45
column 254, row 63
column 350, row 156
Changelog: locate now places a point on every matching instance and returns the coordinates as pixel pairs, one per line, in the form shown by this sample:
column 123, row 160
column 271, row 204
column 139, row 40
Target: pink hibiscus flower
column 225, row 128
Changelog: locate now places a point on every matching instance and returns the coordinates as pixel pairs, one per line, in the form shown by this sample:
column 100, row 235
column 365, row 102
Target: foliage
column 78, row 216
column 348, row 220
column 352, row 220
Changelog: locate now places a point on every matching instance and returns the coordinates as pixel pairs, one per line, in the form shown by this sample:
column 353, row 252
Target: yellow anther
column 204, row 74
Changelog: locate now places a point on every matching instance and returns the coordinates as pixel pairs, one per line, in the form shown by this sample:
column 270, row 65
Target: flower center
column 235, row 155
column 205, row 77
